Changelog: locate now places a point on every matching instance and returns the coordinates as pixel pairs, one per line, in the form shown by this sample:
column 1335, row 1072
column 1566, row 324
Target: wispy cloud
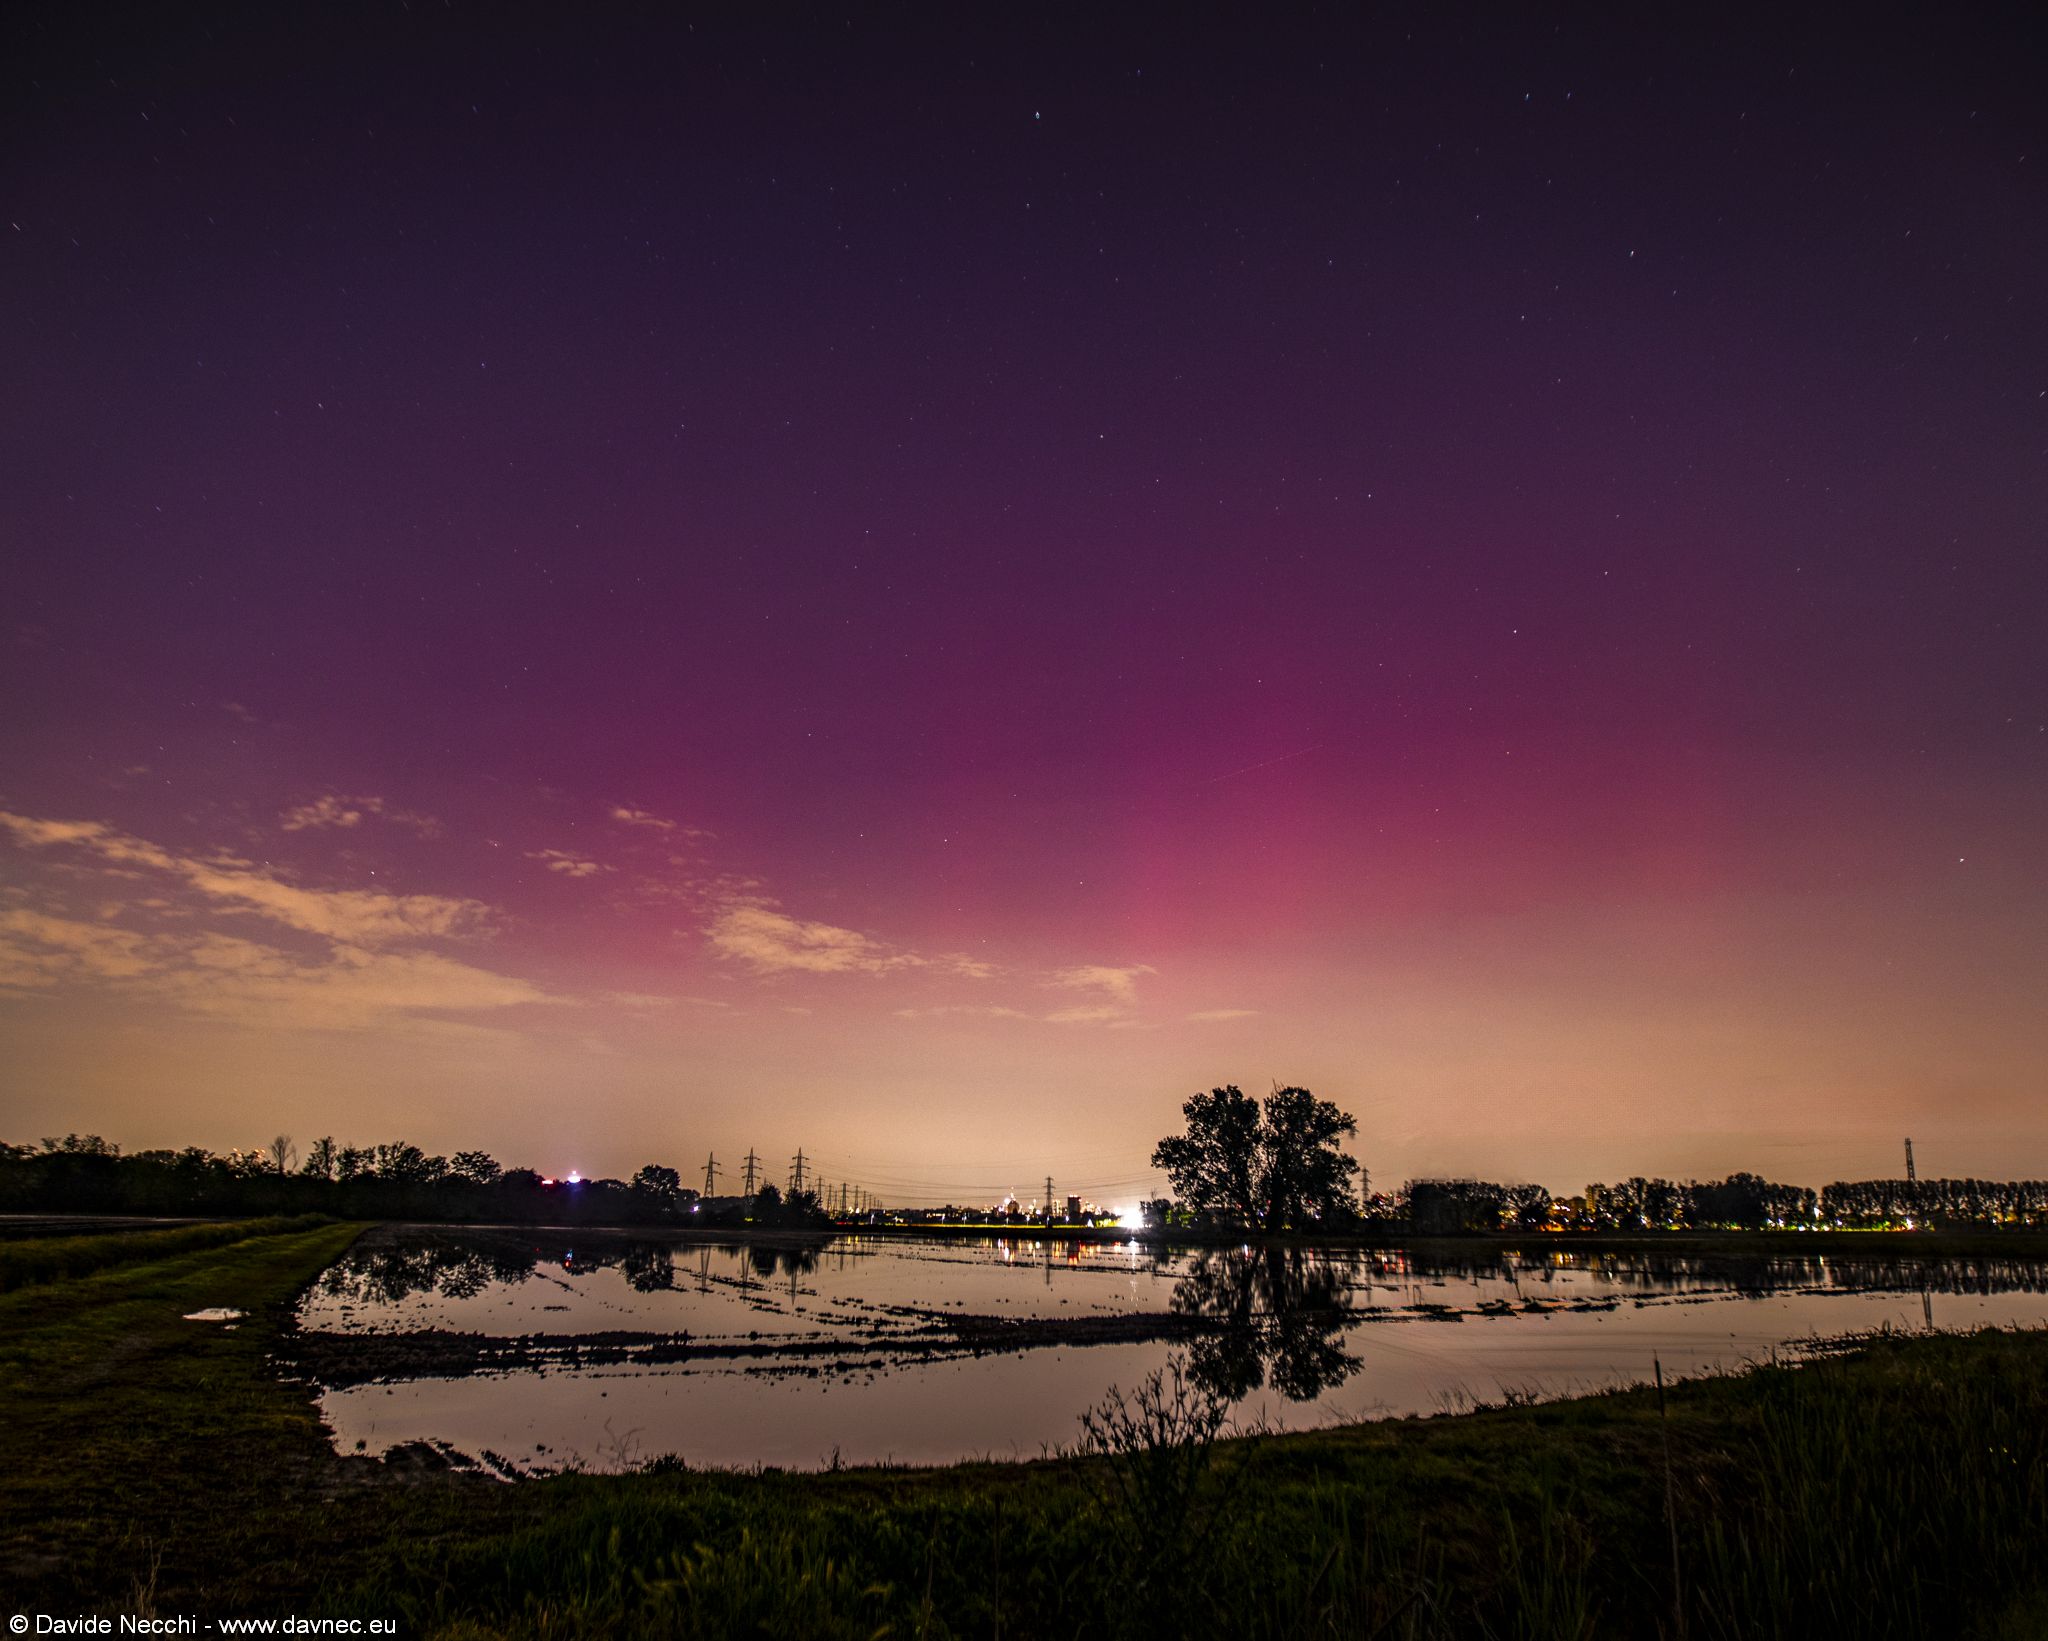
column 360, row 917
column 229, row 978
column 1115, row 989
column 1100, row 1014
column 1108, row 1015
column 38, row 951
column 627, row 815
column 324, row 811
column 560, row 860
column 1120, row 984
column 1201, row 1016
column 987, row 1011
column 347, row 980
column 772, row 942
column 333, row 810
column 352, row 989
column 651, row 1000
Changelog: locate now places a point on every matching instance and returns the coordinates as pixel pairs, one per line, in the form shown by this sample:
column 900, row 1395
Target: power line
column 928, row 1182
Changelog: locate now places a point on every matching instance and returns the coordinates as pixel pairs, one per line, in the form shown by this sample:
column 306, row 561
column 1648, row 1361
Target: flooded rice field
column 524, row 1350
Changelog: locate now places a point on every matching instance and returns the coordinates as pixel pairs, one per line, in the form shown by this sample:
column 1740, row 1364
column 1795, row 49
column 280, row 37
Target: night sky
column 926, row 589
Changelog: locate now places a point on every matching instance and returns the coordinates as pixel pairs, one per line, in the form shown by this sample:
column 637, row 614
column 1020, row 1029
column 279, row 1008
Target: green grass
column 156, row 1464
column 51, row 1258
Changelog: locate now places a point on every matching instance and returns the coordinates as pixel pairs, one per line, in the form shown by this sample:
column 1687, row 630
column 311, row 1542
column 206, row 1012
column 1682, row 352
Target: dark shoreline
column 2008, row 1242
column 2016, row 1240
column 1860, row 1244
column 150, row 1456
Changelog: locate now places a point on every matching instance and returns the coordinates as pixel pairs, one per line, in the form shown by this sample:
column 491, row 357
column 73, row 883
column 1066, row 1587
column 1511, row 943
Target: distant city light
column 575, row 1178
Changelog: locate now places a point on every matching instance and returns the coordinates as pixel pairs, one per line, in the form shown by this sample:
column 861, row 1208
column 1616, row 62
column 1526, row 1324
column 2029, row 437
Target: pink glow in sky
column 928, row 595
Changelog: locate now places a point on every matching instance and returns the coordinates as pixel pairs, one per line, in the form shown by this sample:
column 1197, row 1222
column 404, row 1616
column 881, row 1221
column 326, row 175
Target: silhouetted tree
column 1439, row 1207
column 1527, row 1207
column 397, row 1160
column 1213, row 1164
column 659, row 1183
column 1935, row 1202
column 1303, row 1175
column 474, row 1167
column 1271, row 1170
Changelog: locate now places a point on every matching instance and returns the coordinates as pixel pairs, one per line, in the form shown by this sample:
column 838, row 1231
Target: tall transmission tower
column 1911, row 1175
column 796, row 1170
column 1048, row 1201
column 753, row 1169
column 710, row 1173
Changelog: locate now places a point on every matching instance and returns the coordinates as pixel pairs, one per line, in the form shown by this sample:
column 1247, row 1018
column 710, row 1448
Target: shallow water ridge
column 534, row 1349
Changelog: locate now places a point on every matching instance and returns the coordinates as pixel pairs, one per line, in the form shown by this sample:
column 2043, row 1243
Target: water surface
column 531, row 1350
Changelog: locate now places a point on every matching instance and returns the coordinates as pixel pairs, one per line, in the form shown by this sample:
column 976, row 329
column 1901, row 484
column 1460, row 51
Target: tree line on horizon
column 1741, row 1202
column 1274, row 1166
column 1239, row 1165
column 85, row 1173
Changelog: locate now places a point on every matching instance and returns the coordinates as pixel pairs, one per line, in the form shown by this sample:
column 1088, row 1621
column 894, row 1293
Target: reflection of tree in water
column 769, row 1260
column 1649, row 1274
column 460, row 1267
column 649, row 1267
column 1282, row 1315
column 388, row 1273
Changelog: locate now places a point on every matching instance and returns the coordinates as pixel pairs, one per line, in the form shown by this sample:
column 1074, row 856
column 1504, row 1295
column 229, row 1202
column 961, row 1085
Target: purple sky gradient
column 1492, row 568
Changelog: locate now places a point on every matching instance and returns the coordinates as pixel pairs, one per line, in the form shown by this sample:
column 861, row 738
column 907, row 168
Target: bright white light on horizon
column 1131, row 1219
column 575, row 1178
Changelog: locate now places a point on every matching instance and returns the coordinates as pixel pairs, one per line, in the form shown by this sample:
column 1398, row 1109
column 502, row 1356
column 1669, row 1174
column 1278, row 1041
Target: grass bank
column 50, row 1258
column 158, row 1465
